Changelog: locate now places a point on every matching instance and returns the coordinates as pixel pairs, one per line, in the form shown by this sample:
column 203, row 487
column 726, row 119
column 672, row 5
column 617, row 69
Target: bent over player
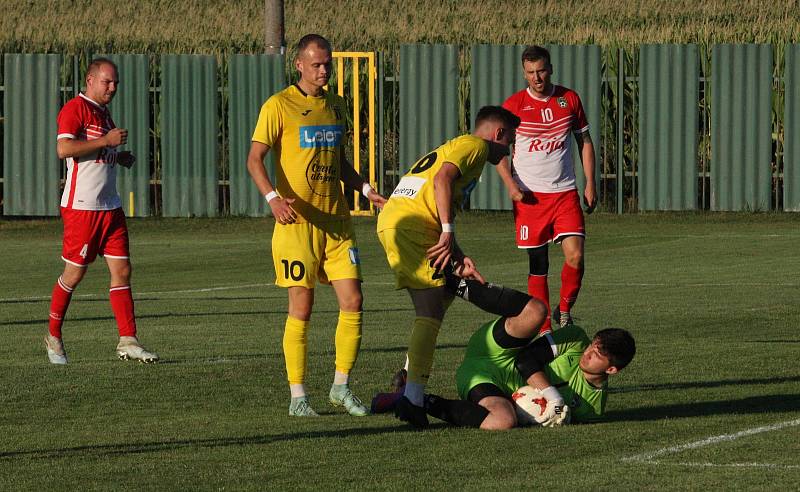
column 569, row 369
column 91, row 209
column 542, row 181
column 416, row 229
column 313, row 238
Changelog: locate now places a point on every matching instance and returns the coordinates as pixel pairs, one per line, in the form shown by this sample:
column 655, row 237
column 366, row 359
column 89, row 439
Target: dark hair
column 309, row 39
column 535, row 53
column 496, row 113
column 616, row 344
column 95, row 65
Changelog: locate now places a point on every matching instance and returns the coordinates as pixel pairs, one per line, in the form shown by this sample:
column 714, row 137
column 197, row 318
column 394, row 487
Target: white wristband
column 366, row 189
column 448, row 227
column 269, row 196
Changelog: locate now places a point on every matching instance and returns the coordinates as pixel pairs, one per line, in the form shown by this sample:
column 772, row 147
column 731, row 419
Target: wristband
column 366, row 189
column 448, row 227
column 269, row 196
column 552, row 395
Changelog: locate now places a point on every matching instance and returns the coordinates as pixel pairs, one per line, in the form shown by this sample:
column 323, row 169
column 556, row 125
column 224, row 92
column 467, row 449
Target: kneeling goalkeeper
column 569, row 369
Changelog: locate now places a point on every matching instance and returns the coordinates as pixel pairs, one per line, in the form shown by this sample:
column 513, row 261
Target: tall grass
column 207, row 26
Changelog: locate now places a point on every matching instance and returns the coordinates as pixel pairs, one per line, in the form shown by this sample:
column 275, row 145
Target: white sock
column 415, row 393
column 297, row 390
column 406, row 366
column 340, row 378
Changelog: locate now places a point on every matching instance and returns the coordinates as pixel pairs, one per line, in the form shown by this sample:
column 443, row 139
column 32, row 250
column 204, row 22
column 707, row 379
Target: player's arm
column 281, row 207
column 71, row 147
column 504, row 171
column 586, row 147
column 354, row 181
column 530, row 362
column 443, row 183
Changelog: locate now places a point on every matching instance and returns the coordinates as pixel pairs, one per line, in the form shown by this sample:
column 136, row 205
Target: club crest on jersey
column 354, row 259
column 562, row 102
column 317, row 136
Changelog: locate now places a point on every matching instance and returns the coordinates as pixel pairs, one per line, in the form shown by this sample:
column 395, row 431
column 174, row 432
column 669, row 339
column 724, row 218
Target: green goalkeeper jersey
column 486, row 362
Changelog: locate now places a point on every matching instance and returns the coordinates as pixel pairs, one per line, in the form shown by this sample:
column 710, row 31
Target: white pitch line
column 648, row 457
column 727, row 465
column 161, row 292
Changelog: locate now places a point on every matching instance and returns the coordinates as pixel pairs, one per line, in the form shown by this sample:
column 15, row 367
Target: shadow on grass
column 704, row 384
column 756, row 404
column 157, row 447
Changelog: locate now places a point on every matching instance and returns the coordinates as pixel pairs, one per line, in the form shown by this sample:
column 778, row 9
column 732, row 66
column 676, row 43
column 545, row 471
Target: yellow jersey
column 306, row 134
column 412, row 204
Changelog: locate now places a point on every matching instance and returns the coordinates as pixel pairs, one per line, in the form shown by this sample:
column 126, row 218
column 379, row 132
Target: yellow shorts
column 304, row 253
column 406, row 252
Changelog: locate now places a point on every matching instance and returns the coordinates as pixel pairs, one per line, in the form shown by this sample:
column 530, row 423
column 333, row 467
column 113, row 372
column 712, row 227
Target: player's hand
column 561, row 416
column 590, row 199
column 282, row 210
column 116, row 137
column 466, row 269
column 442, row 251
column 126, row 159
column 515, row 193
column 376, row 199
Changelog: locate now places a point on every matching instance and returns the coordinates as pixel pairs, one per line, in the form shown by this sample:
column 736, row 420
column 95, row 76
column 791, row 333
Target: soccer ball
column 529, row 405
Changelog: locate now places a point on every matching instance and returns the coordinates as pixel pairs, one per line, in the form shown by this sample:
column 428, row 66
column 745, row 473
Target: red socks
column 122, row 305
column 59, row 302
column 537, row 288
column 570, row 286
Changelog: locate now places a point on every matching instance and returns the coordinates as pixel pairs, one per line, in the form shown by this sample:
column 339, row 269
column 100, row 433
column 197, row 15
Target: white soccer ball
column 529, row 405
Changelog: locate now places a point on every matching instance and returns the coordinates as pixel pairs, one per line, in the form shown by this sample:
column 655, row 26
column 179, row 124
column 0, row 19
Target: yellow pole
column 130, row 204
column 371, row 80
column 340, row 76
column 356, row 130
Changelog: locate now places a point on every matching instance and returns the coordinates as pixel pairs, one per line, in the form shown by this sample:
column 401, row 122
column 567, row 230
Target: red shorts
column 88, row 233
column 544, row 217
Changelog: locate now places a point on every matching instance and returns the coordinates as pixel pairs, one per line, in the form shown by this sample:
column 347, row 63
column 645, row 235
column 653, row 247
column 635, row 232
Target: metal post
column 620, row 130
column 274, row 44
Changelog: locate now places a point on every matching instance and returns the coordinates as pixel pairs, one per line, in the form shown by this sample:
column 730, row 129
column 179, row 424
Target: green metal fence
column 791, row 161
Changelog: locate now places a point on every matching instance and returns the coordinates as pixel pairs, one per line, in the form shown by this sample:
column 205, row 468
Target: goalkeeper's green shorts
column 487, row 362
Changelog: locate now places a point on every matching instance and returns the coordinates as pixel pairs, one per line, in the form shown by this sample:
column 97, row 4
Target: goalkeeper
column 568, row 368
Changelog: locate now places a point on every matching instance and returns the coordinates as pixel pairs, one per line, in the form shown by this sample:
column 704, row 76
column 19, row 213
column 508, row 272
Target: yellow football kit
column 409, row 223
column 306, row 135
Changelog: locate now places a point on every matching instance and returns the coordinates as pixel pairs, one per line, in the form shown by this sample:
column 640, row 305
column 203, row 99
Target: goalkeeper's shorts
column 305, row 253
column 488, row 362
column 406, row 252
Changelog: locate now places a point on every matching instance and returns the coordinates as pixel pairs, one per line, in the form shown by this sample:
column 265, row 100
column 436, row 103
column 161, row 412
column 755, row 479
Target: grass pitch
column 711, row 400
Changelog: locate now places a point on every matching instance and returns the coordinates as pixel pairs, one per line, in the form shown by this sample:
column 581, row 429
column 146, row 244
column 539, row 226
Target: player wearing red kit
column 91, row 209
column 541, row 181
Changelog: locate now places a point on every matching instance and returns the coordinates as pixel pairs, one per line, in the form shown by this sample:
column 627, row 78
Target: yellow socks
column 347, row 340
column 421, row 348
column 295, row 349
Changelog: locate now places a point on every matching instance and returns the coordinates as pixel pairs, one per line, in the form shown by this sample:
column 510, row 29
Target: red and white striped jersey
column 91, row 179
column 542, row 155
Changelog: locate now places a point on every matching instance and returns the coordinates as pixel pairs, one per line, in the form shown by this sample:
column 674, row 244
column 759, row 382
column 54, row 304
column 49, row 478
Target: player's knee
column 535, row 314
column 574, row 258
column 72, row 276
column 538, row 262
column 500, row 419
column 351, row 302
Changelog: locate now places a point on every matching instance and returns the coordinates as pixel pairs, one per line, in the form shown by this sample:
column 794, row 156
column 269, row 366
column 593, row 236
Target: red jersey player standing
column 92, row 211
column 541, row 181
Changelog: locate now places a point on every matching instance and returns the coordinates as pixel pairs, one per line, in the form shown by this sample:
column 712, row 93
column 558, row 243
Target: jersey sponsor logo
column 321, row 171
column 562, row 102
column 546, row 146
column 354, row 259
column 408, row 187
column 317, row 136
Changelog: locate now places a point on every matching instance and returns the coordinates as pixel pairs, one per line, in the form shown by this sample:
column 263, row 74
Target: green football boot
column 299, row 407
column 341, row 396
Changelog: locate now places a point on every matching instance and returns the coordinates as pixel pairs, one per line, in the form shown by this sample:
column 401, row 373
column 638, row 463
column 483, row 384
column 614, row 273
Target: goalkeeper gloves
column 556, row 412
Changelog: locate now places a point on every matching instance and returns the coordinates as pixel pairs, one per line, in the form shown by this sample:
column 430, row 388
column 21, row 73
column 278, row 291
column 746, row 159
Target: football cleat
column 408, row 412
column 299, row 407
column 129, row 348
column 341, row 396
column 385, row 402
column 562, row 318
column 398, row 384
column 55, row 350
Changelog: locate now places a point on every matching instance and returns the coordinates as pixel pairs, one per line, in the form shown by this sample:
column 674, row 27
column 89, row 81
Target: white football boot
column 129, row 348
column 55, row 349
